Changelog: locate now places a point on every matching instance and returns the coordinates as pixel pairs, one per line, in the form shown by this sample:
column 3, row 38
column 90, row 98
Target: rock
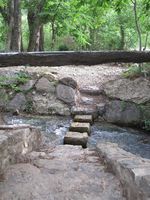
column 137, row 91
column 49, row 105
column 66, row 94
column 84, row 110
column 122, row 113
column 18, row 102
column 91, row 90
column 84, row 118
column 40, row 104
column 28, row 86
column 16, row 141
column 132, row 171
column 1, row 119
column 101, row 108
column 69, row 82
column 58, row 108
column 4, row 98
column 43, row 85
column 69, row 173
column 80, row 127
column 76, row 138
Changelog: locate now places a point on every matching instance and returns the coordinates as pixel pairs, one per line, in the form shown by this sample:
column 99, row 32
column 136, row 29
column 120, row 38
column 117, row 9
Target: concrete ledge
column 16, row 141
column 133, row 171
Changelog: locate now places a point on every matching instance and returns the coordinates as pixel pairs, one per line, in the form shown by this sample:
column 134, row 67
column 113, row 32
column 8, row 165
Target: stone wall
column 133, row 171
column 16, row 141
column 36, row 93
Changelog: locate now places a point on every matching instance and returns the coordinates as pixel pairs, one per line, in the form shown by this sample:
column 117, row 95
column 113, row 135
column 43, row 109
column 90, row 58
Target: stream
column 54, row 128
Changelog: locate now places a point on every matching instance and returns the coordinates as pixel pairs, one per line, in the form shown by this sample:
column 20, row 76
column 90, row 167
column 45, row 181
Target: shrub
column 137, row 71
column 63, row 47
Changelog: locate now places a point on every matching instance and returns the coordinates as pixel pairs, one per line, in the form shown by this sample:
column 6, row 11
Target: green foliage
column 14, row 83
column 94, row 25
column 147, row 125
column 136, row 71
column 29, row 106
column 63, row 47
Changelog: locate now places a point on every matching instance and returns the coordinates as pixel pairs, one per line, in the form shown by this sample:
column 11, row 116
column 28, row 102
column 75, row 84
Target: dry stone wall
column 37, row 93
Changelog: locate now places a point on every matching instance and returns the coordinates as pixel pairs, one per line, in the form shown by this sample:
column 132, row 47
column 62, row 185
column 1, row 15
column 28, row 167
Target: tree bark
column 16, row 31
column 72, row 58
column 35, row 26
column 137, row 24
column 41, row 43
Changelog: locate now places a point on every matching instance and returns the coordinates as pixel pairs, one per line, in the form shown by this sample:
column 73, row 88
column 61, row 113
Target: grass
column 136, row 71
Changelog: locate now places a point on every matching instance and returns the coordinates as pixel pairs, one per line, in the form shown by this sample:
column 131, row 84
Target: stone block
column 84, row 118
column 80, row 127
column 76, row 138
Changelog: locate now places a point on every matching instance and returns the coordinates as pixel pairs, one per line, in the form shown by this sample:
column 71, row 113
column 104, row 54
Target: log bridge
column 72, row 58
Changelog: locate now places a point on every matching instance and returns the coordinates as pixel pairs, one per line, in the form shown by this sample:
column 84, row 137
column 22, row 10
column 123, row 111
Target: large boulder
column 28, row 86
column 44, row 85
column 66, row 94
column 49, row 105
column 69, row 82
column 17, row 103
column 137, row 91
column 121, row 112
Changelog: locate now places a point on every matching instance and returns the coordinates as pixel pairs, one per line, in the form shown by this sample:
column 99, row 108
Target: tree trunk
column 41, row 44
column 53, row 35
column 72, row 58
column 34, row 29
column 137, row 24
column 122, row 37
column 16, row 32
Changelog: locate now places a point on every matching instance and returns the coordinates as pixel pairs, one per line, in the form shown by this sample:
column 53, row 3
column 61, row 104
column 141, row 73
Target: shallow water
column 54, row 128
column 134, row 141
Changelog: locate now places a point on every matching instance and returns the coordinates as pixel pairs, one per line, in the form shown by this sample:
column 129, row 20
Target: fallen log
column 72, row 58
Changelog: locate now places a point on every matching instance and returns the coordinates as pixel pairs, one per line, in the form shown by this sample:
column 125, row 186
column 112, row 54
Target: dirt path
column 66, row 173
column 94, row 75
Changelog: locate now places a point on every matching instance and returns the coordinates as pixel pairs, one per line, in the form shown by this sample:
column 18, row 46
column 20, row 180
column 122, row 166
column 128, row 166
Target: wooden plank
column 72, row 58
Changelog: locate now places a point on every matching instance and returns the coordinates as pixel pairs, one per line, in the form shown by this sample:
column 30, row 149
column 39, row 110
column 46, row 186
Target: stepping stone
column 84, row 118
column 76, row 138
column 80, row 127
column 86, row 110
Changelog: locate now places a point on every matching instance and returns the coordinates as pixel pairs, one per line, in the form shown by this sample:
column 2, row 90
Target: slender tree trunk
column 41, row 43
column 53, row 35
column 146, row 40
column 9, row 22
column 137, row 24
column 122, row 40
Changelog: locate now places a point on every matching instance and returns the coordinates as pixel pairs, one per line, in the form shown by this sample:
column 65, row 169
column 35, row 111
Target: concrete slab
column 76, row 138
column 84, row 118
column 80, row 127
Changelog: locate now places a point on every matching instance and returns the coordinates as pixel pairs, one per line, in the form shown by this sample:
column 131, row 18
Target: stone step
column 84, row 110
column 80, row 127
column 76, row 138
column 91, row 90
column 84, row 118
column 89, row 100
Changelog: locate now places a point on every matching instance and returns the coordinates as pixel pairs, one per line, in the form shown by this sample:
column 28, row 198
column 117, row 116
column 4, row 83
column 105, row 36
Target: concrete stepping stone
column 80, row 127
column 76, row 138
column 84, row 118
